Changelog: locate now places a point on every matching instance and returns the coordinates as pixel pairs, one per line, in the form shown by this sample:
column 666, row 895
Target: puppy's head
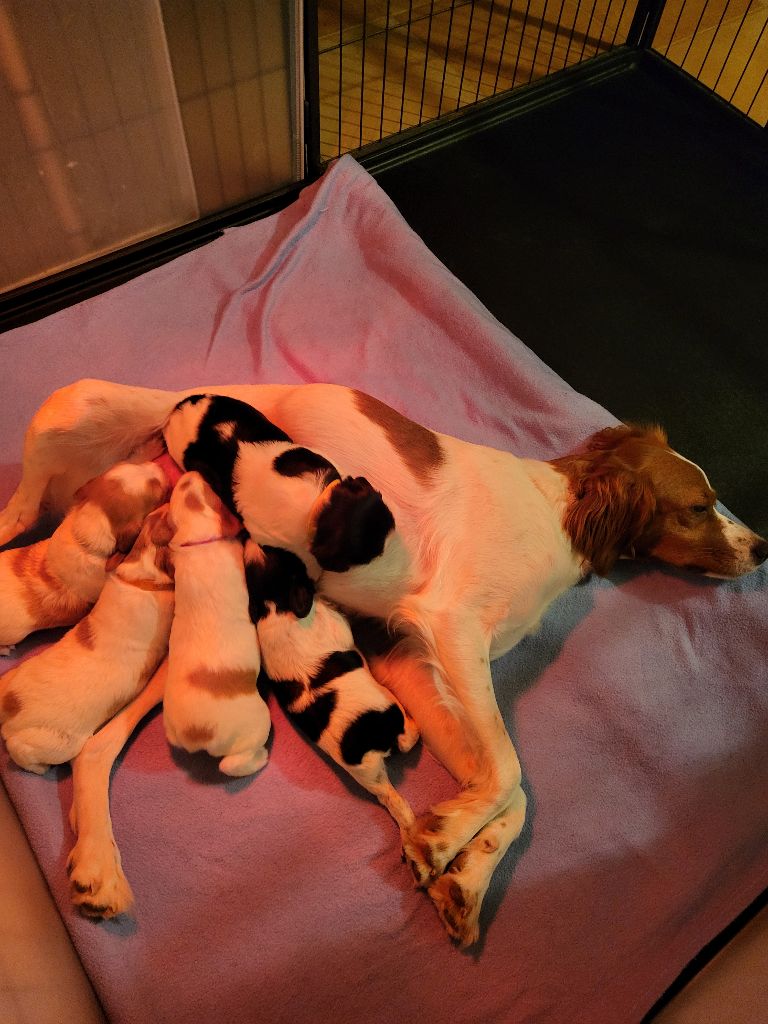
column 276, row 579
column 149, row 563
column 198, row 514
column 110, row 509
column 349, row 525
column 636, row 497
column 204, row 431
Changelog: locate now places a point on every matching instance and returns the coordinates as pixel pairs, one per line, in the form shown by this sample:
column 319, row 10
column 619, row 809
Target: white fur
column 64, row 574
column 212, row 633
column 482, row 551
column 68, row 690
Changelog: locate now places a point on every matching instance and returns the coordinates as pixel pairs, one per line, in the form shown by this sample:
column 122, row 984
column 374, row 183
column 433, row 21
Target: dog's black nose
column 760, row 551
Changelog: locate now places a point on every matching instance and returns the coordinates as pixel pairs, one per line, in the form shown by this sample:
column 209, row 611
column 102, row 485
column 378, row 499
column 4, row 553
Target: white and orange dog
column 319, row 677
column 211, row 701
column 489, row 541
column 57, row 580
column 52, row 702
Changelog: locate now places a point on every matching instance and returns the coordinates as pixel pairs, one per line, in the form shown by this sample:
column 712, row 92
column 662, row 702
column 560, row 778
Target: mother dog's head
column 633, row 496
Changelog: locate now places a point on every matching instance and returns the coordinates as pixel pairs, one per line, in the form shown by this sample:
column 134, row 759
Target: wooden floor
column 387, row 65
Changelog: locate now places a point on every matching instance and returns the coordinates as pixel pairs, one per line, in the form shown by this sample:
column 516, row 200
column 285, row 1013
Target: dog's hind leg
column 98, row 886
column 77, row 433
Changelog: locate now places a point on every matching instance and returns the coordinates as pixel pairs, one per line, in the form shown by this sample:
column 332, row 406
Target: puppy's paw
column 458, row 905
column 409, row 737
column 15, row 519
column 98, row 887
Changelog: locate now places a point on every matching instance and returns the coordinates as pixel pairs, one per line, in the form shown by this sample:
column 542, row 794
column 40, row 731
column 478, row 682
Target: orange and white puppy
column 321, row 679
column 57, row 580
column 52, row 703
column 211, row 701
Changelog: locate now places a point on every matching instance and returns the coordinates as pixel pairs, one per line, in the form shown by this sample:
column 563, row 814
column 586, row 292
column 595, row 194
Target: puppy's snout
column 759, row 551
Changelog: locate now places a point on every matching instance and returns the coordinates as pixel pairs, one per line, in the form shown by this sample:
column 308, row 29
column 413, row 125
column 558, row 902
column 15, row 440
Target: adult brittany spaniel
column 489, row 540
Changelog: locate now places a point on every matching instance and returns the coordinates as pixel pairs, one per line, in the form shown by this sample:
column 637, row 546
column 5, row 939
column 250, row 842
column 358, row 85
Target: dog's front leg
column 458, row 894
column 98, row 886
column 461, row 657
column 77, row 433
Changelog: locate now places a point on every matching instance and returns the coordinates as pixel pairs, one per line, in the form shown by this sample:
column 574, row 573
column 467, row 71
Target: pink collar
column 208, row 540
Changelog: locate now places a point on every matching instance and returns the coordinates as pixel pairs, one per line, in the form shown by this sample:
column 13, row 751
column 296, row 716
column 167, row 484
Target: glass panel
column 120, row 120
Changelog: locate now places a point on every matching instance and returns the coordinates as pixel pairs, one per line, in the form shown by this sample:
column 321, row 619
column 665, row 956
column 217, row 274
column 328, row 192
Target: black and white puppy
column 287, row 496
column 319, row 677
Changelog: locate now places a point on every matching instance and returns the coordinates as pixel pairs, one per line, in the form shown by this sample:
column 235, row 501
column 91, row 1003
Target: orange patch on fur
column 48, row 601
column 198, row 735
column 11, row 705
column 418, row 447
column 83, row 634
column 194, row 502
column 125, row 512
column 224, row 682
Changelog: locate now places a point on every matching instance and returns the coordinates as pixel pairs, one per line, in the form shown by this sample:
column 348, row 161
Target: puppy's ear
column 126, row 534
column 113, row 561
column 301, row 596
column 613, row 508
column 161, row 531
column 352, row 526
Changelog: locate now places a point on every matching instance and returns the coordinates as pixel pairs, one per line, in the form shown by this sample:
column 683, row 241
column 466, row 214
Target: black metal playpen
column 385, row 66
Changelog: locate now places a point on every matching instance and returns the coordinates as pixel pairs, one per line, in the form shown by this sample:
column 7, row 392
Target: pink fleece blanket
column 639, row 709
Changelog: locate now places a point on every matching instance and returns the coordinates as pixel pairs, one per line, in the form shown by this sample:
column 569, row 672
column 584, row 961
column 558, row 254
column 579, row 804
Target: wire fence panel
column 388, row 65
column 724, row 45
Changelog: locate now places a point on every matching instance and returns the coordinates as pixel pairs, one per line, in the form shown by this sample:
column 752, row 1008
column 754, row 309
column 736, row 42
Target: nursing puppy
column 53, row 702
column 56, row 581
column 287, row 495
column 322, row 681
column 211, row 701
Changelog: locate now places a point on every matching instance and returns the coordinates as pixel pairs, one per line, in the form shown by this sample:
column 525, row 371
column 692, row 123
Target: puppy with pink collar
column 53, row 702
column 211, row 701
column 56, row 581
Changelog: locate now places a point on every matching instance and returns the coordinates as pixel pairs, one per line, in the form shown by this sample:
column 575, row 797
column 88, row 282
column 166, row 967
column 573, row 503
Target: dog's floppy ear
column 352, row 526
column 613, row 508
column 274, row 574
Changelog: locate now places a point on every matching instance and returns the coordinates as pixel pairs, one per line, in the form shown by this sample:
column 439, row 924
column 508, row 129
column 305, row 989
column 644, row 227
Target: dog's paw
column 425, row 852
column 458, row 901
column 98, row 887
